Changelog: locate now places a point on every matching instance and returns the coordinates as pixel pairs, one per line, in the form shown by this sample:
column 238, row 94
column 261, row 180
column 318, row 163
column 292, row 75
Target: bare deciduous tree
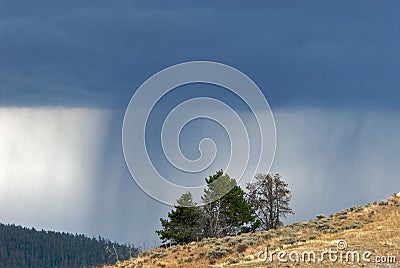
column 270, row 197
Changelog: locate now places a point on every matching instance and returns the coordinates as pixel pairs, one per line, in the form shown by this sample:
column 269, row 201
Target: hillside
column 24, row 247
column 370, row 232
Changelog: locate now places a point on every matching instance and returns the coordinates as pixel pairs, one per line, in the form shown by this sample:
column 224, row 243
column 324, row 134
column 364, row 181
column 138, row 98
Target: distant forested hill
column 24, row 247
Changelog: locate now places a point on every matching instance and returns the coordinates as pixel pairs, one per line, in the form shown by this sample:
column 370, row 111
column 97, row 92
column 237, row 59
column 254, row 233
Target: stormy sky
column 68, row 69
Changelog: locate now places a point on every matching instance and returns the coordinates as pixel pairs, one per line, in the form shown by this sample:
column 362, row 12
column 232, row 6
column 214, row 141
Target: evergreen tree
column 226, row 211
column 183, row 224
column 239, row 213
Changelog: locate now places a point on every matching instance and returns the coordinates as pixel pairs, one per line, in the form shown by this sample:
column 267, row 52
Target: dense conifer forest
column 24, row 247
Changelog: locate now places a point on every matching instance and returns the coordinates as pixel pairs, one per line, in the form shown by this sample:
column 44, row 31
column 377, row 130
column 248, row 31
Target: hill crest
column 372, row 230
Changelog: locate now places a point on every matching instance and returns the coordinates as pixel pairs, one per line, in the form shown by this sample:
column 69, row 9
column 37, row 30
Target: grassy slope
column 374, row 227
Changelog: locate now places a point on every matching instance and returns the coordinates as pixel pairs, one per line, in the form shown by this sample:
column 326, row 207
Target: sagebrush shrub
column 241, row 248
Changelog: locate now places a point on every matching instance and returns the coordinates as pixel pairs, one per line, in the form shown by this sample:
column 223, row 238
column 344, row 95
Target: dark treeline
column 24, row 247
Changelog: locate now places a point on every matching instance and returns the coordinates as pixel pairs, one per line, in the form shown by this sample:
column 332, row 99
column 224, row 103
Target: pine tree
column 183, row 224
column 239, row 213
column 226, row 211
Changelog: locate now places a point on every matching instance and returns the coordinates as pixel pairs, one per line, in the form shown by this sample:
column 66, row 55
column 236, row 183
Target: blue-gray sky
column 330, row 71
column 95, row 54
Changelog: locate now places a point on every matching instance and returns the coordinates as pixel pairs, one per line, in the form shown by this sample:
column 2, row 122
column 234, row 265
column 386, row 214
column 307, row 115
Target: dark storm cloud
column 81, row 53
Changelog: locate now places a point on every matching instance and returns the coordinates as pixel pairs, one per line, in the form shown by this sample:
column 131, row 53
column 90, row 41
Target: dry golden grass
column 374, row 227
